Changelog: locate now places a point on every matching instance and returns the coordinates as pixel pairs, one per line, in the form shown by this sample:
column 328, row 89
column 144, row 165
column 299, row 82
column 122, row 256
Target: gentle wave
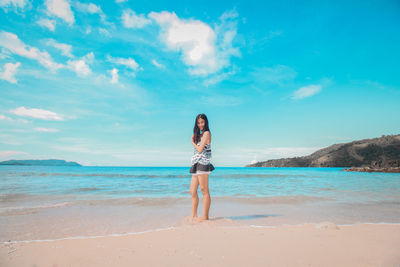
column 86, row 237
column 181, row 227
column 116, row 175
column 277, row 199
column 7, row 199
column 83, row 189
column 22, row 210
column 168, row 201
column 12, row 197
column 165, row 201
column 141, row 201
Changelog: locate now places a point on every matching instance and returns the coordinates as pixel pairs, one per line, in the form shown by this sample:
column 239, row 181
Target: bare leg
column 203, row 180
column 195, row 198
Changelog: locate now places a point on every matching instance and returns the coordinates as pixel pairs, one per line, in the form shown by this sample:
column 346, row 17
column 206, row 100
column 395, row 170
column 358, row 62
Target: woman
column 201, row 165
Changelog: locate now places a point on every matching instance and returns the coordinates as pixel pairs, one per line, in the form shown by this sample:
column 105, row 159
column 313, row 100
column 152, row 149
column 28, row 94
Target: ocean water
column 49, row 202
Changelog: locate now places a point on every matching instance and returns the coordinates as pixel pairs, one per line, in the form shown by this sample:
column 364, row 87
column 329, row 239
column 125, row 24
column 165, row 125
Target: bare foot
column 192, row 218
column 203, row 218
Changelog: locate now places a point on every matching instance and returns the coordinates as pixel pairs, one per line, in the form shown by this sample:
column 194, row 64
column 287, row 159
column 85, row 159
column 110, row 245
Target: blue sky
column 120, row 82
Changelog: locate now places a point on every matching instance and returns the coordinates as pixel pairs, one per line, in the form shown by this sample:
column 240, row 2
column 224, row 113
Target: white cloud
column 11, row 42
column 193, row 37
column 60, row 9
column 158, row 65
column 88, row 29
column 5, row 53
column 14, row 4
column 131, row 20
column 9, row 153
column 89, row 57
column 306, row 91
column 47, row 23
column 4, row 117
column 46, row 130
column 219, row 77
column 80, row 66
column 204, row 49
column 64, row 48
column 128, row 62
column 36, row 113
column 104, row 32
column 90, row 8
column 114, row 75
column 9, row 71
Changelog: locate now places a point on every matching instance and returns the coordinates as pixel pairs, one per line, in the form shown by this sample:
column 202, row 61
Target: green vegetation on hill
column 380, row 152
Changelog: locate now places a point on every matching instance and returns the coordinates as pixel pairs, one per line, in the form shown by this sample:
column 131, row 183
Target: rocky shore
column 371, row 169
column 381, row 154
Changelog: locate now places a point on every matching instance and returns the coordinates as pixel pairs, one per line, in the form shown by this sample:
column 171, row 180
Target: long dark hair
column 196, row 129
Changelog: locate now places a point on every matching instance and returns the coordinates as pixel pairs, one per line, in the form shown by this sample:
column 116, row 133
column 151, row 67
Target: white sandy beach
column 219, row 243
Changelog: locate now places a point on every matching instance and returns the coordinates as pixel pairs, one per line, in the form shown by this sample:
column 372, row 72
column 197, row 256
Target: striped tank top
column 204, row 157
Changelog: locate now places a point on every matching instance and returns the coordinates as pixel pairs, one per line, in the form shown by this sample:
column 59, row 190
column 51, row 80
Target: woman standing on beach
column 201, row 165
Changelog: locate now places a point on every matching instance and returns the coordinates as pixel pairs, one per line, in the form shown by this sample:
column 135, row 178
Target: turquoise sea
column 46, row 202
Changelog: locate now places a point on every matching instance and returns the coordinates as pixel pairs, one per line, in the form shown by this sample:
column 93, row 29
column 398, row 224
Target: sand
column 212, row 243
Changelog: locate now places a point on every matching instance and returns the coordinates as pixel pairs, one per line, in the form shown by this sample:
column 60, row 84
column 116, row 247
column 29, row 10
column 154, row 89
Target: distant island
column 375, row 154
column 39, row 162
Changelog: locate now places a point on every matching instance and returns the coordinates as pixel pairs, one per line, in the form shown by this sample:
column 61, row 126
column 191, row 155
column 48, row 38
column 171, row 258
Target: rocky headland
column 381, row 154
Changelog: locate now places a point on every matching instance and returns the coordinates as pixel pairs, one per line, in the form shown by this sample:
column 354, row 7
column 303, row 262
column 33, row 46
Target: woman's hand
column 193, row 143
column 204, row 139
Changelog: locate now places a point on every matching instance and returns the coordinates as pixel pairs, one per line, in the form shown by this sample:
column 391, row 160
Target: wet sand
column 219, row 242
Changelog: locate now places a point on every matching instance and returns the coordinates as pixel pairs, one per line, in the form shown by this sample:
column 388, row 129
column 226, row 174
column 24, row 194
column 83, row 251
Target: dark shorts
column 198, row 168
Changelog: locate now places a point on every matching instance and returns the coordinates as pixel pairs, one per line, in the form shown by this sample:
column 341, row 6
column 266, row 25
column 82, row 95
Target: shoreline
column 207, row 243
column 371, row 169
column 89, row 218
column 236, row 225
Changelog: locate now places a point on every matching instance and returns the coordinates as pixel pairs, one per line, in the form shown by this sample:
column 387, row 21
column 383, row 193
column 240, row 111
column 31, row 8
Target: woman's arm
column 193, row 143
column 204, row 140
